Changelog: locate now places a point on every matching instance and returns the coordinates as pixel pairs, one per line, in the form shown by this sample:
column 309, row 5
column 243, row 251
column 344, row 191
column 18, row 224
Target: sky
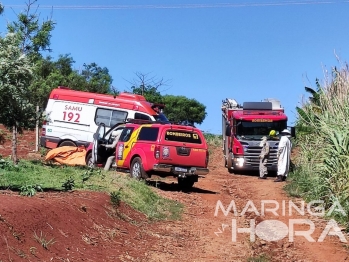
column 203, row 49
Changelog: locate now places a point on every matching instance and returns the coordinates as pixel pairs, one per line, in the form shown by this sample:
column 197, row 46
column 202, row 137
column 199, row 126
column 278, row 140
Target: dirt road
column 203, row 235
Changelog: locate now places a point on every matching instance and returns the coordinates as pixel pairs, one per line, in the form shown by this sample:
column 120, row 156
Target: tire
column 185, row 183
column 231, row 171
column 137, row 170
column 89, row 162
column 67, row 143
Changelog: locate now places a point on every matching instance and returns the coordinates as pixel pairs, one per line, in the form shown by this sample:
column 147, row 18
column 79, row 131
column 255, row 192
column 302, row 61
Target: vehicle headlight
column 239, row 161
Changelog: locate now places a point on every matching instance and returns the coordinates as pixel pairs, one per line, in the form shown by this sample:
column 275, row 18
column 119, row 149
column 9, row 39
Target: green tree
column 183, row 109
column 98, row 79
column 177, row 108
column 148, row 86
column 20, row 50
column 15, row 75
column 50, row 74
column 34, row 36
column 34, row 39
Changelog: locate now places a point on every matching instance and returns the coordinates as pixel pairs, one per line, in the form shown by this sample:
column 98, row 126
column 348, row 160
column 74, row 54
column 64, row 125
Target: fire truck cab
column 243, row 127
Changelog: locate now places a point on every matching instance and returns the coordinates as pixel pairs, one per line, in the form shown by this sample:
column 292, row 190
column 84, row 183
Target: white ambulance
column 72, row 117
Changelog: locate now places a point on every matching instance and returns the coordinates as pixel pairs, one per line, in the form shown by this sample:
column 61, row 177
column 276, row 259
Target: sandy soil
column 83, row 226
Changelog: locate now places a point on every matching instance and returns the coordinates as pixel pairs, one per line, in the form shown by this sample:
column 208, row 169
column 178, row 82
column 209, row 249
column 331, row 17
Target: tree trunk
column 14, row 145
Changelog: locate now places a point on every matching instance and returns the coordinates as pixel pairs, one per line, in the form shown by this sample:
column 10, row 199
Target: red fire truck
column 243, row 127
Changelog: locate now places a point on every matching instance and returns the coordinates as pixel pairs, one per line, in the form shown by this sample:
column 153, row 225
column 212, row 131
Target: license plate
column 180, row 169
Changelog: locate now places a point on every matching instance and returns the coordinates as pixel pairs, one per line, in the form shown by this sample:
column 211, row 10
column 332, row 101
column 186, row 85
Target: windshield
column 256, row 130
column 161, row 117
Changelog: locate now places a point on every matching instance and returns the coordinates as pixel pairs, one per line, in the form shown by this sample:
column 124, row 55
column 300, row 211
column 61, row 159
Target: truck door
column 97, row 137
column 123, row 148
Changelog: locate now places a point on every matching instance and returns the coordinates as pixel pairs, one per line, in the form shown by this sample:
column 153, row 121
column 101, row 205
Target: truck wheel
column 185, row 183
column 231, row 171
column 137, row 170
column 89, row 161
column 229, row 162
column 67, row 143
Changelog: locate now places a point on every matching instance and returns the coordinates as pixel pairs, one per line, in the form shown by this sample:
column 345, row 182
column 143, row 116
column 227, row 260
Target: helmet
column 286, row 132
column 272, row 133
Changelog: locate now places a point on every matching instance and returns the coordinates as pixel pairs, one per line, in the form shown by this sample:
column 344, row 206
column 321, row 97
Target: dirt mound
column 77, row 226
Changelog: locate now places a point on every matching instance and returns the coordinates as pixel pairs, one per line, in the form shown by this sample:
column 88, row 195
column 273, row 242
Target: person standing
column 263, row 158
column 116, row 136
column 283, row 156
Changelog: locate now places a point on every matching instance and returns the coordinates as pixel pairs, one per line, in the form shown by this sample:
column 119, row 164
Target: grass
column 29, row 177
column 213, row 140
column 322, row 163
column 260, row 258
column 43, row 241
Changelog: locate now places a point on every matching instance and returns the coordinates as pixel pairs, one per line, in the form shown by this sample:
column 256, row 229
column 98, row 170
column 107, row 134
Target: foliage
column 260, row 258
column 97, row 79
column 34, row 40
column 147, row 201
column 49, row 74
column 15, row 75
column 181, row 108
column 29, row 190
column 115, row 197
column 322, row 171
column 148, row 86
column 213, row 140
column 69, row 184
column 177, row 108
column 33, row 36
column 50, row 177
column 19, row 51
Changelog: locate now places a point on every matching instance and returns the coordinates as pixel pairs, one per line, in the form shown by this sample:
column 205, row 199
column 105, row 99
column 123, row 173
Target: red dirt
column 84, row 226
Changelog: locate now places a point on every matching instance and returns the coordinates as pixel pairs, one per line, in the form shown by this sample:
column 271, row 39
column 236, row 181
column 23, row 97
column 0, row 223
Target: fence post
column 37, row 130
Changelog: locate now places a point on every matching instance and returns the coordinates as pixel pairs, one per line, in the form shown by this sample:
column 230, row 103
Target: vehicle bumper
column 185, row 170
column 53, row 142
column 243, row 163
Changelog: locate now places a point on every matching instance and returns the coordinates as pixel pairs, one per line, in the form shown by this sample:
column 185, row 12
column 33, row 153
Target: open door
column 97, row 139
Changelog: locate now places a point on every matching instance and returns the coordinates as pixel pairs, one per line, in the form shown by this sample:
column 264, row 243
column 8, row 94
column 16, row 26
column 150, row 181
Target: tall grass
column 213, row 140
column 322, row 171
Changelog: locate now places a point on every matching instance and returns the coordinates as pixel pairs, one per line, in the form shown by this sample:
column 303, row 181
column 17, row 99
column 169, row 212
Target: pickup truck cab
column 147, row 148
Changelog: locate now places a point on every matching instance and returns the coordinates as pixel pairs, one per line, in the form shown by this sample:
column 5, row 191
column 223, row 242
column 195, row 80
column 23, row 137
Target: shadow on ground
column 173, row 186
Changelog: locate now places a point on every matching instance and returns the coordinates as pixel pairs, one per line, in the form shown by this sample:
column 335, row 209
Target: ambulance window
column 148, row 133
column 141, row 116
column 118, row 117
column 109, row 117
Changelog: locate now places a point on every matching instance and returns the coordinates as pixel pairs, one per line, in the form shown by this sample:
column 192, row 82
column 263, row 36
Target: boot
column 278, row 179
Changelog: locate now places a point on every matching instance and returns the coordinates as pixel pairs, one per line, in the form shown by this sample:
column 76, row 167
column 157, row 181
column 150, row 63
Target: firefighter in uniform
column 264, row 155
column 263, row 158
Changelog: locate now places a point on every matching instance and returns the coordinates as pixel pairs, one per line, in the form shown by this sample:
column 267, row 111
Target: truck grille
column 251, row 155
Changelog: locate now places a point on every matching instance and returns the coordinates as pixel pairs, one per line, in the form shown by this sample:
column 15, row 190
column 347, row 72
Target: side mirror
column 228, row 130
column 293, row 131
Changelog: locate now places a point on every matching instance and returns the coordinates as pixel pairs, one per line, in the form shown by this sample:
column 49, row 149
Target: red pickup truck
column 157, row 148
